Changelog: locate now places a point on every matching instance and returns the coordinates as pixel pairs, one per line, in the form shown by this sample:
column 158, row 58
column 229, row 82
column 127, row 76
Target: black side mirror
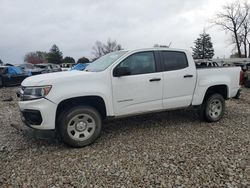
column 121, row 71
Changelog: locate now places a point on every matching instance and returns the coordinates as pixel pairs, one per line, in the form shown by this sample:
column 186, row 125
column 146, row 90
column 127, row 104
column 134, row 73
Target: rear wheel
column 1, row 82
column 213, row 108
column 247, row 84
column 80, row 126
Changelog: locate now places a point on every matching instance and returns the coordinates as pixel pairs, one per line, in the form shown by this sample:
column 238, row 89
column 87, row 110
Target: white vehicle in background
column 30, row 68
column 124, row 83
column 49, row 67
column 65, row 69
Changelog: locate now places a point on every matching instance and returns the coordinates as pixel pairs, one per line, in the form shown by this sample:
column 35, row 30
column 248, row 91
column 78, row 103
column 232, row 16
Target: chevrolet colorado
column 124, row 83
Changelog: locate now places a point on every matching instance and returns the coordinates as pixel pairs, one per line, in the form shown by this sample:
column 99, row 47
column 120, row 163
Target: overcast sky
column 31, row 25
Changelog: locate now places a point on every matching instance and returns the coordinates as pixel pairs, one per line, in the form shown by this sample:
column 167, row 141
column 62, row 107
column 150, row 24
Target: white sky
column 31, row 25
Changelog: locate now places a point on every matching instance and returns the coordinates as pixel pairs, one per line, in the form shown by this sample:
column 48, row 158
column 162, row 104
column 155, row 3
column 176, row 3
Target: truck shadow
column 162, row 119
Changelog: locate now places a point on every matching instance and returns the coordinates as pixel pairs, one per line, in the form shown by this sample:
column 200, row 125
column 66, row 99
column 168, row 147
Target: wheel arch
column 94, row 101
column 220, row 89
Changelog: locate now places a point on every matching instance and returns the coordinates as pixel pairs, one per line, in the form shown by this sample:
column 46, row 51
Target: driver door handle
column 155, row 80
column 188, row 76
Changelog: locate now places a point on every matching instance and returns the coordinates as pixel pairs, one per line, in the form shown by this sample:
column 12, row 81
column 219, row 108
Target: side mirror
column 121, row 71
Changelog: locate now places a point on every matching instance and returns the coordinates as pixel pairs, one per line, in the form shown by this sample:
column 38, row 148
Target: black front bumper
column 31, row 117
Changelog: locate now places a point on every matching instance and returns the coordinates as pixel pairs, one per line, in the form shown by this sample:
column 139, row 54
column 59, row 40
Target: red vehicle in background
column 242, row 78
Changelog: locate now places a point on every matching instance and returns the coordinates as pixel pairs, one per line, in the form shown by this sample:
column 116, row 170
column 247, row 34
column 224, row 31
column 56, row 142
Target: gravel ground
column 170, row 149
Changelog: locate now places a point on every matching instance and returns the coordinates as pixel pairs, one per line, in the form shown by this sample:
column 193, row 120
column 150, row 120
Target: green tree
column 69, row 60
column 83, row 60
column 55, row 55
column 42, row 55
column 203, row 47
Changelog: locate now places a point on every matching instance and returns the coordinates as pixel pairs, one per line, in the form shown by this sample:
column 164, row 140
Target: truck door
column 179, row 79
column 141, row 91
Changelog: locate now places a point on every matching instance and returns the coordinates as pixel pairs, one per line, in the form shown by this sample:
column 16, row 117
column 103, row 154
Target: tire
column 238, row 95
column 213, row 108
column 79, row 126
column 1, row 82
column 247, row 84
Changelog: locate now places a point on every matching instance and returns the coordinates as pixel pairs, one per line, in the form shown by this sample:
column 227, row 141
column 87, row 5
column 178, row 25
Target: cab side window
column 173, row 60
column 140, row 63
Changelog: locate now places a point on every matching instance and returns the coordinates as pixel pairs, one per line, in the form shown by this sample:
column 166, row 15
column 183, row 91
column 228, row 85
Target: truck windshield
column 105, row 61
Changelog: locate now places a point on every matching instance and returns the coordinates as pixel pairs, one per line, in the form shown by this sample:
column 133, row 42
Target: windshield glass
column 105, row 61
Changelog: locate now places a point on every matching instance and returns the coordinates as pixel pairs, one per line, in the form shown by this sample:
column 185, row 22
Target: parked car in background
column 11, row 75
column 80, row 66
column 67, row 66
column 48, row 67
column 247, row 79
column 65, row 69
column 30, row 68
column 245, row 67
column 205, row 63
column 56, row 68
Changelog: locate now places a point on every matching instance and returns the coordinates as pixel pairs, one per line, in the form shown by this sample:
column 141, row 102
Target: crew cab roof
column 155, row 49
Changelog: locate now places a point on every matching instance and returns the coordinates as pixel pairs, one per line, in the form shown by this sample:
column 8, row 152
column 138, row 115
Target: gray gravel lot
column 170, row 149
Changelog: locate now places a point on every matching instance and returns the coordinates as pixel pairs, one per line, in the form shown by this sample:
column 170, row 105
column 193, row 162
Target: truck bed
column 206, row 77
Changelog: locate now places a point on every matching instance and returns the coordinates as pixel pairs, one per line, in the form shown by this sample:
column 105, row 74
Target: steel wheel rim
column 215, row 108
column 81, row 127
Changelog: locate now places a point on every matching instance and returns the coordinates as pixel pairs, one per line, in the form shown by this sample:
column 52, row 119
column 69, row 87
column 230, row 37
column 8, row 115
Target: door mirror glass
column 121, row 71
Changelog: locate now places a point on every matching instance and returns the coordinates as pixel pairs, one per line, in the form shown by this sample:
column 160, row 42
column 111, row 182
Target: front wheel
column 80, row 126
column 213, row 108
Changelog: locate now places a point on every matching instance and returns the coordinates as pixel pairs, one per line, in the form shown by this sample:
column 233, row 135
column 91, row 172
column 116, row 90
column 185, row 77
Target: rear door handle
column 188, row 76
column 155, row 80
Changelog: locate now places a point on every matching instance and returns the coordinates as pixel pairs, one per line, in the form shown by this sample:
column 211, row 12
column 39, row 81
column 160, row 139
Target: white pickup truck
column 124, row 83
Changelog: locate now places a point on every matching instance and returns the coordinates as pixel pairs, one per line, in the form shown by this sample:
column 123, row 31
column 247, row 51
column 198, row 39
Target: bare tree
column 35, row 57
column 231, row 19
column 98, row 50
column 101, row 49
column 245, row 29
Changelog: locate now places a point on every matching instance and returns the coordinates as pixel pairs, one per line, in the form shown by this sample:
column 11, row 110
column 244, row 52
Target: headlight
column 30, row 93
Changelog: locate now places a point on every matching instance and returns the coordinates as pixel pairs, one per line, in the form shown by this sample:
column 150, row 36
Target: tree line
column 55, row 55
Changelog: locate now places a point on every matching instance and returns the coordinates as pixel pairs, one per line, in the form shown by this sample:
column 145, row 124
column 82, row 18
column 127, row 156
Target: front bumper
column 31, row 117
column 38, row 114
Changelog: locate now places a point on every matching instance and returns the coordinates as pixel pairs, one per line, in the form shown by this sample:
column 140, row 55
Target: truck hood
column 53, row 78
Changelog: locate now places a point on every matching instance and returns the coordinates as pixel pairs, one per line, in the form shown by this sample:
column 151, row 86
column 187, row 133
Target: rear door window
column 173, row 60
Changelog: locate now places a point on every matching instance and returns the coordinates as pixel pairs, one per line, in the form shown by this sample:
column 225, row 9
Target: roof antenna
column 162, row 46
